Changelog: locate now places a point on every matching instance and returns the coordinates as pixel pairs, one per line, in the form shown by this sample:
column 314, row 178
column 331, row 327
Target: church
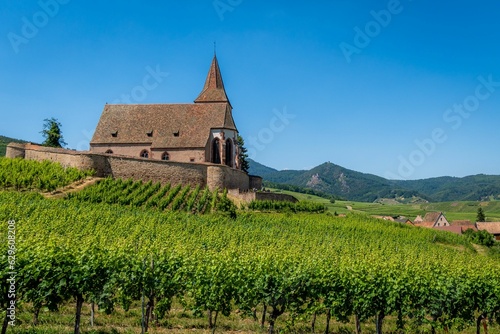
column 199, row 132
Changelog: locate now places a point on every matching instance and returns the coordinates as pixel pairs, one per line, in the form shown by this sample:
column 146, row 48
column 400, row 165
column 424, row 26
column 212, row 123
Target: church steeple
column 213, row 91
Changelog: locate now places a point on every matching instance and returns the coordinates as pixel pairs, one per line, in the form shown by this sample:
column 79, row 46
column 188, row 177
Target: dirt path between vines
column 73, row 187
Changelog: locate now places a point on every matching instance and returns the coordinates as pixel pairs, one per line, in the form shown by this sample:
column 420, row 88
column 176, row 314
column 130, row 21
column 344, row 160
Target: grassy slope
column 452, row 210
column 181, row 320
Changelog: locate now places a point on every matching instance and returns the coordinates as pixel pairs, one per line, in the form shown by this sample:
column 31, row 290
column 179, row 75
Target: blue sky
column 401, row 89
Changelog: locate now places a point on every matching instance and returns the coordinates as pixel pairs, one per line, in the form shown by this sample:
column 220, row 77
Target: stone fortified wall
column 248, row 196
column 203, row 174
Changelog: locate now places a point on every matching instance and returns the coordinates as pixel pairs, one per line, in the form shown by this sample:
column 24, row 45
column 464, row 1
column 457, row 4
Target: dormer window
column 165, row 156
column 144, row 154
column 114, row 134
column 176, row 134
column 150, row 133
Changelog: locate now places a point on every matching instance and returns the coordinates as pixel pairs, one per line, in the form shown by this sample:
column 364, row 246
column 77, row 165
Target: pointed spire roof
column 213, row 91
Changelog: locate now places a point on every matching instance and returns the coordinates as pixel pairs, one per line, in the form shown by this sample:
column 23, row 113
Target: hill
column 337, row 181
column 6, row 140
column 456, row 210
column 356, row 186
column 468, row 188
column 308, row 265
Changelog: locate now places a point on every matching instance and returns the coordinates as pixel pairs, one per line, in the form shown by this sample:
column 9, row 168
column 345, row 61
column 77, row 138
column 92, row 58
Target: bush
column 482, row 238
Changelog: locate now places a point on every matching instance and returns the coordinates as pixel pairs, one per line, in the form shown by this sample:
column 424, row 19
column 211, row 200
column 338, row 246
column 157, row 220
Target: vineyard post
column 328, row 315
column 92, row 313
column 79, row 304
column 313, row 322
column 358, row 324
column 263, row 320
column 151, row 296
column 481, row 318
column 142, row 297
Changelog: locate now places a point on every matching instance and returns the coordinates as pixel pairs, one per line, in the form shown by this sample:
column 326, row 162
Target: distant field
column 452, row 210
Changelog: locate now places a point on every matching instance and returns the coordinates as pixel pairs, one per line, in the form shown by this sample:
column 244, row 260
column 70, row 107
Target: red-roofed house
column 453, row 229
column 490, row 227
column 464, row 224
column 431, row 219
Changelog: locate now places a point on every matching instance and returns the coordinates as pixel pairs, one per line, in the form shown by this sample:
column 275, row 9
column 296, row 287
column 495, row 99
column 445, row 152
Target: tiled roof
column 213, row 91
column 491, row 227
column 453, row 229
column 466, row 227
column 461, row 223
column 424, row 224
column 431, row 216
column 162, row 125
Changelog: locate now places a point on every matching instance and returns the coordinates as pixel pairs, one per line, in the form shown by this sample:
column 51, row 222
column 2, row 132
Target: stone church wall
column 249, row 196
column 204, row 174
column 156, row 170
column 67, row 158
column 15, row 150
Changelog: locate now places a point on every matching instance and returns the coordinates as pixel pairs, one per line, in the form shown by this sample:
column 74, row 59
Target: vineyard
column 20, row 174
column 285, row 206
column 153, row 196
column 288, row 272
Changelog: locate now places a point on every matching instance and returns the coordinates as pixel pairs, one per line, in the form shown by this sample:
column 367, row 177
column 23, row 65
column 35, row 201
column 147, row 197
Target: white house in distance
column 431, row 219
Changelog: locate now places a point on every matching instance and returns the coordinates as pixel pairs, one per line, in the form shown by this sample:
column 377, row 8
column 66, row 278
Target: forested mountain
column 345, row 183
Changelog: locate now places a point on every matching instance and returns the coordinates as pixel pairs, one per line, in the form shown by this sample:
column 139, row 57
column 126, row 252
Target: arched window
column 215, row 151
column 144, row 154
column 165, row 156
column 109, row 152
column 229, row 152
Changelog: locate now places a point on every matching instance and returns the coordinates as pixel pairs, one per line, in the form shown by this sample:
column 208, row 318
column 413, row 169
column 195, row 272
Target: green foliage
column 298, row 264
column 280, row 206
column 226, row 206
column 154, row 196
column 242, row 155
column 480, row 215
column 52, row 133
column 22, row 174
column 482, row 237
column 301, row 190
column 344, row 183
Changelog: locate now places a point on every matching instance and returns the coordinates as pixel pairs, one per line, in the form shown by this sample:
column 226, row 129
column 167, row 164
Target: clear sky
column 401, row 89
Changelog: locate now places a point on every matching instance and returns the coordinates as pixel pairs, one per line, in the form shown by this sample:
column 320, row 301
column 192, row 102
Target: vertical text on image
column 11, row 260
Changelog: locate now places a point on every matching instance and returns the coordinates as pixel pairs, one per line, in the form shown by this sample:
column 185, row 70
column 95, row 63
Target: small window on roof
column 191, row 159
column 165, row 156
column 176, row 134
column 150, row 133
column 109, row 152
column 144, row 154
column 114, row 134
